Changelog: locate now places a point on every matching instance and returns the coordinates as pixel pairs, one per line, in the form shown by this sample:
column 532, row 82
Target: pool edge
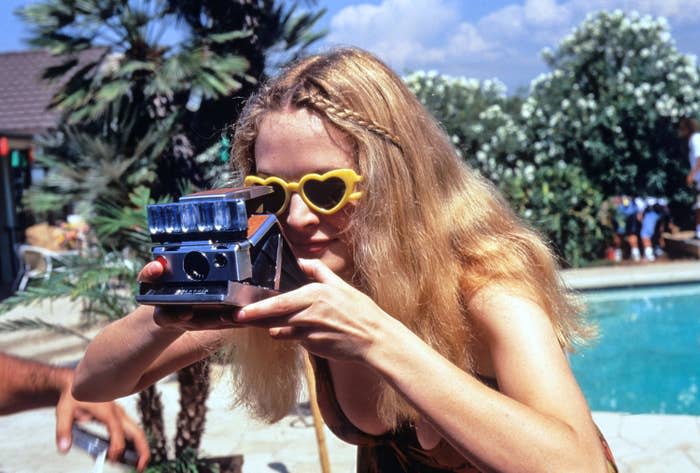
column 632, row 275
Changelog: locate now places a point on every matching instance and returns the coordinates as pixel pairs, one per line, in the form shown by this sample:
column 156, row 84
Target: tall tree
column 144, row 119
column 273, row 35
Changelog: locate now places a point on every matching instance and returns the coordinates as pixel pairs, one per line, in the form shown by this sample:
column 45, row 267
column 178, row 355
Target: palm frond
column 30, row 323
column 229, row 36
column 49, row 289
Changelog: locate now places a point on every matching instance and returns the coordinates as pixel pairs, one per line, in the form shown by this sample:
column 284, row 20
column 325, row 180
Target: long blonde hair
column 427, row 234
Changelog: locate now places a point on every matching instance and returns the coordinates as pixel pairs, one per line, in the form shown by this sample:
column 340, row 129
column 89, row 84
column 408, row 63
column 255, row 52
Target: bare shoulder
column 499, row 309
column 528, row 360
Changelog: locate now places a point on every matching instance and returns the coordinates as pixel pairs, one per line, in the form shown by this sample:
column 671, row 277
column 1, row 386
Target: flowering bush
column 611, row 103
column 601, row 123
column 563, row 204
column 488, row 132
column 476, row 115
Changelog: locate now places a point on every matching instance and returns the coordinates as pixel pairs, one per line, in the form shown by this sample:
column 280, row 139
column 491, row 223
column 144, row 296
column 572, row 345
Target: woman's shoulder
column 501, row 306
column 499, row 295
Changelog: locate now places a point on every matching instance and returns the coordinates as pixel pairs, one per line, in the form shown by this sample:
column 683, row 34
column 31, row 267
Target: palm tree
column 146, row 121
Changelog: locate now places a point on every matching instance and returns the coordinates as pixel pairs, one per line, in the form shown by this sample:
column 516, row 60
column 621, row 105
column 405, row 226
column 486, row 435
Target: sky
column 496, row 39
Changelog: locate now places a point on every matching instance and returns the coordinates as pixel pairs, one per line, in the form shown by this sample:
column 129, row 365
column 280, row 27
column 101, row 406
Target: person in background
column 650, row 219
column 27, row 384
column 664, row 225
column 688, row 129
column 654, row 220
column 640, row 203
column 627, row 228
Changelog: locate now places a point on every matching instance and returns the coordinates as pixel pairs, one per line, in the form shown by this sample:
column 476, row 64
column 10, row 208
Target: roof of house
column 25, row 96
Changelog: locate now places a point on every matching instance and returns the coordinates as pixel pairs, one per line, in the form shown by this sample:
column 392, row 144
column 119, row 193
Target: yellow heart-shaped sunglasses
column 325, row 193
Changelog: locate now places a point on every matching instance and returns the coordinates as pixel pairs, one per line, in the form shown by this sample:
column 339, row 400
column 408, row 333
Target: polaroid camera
column 217, row 252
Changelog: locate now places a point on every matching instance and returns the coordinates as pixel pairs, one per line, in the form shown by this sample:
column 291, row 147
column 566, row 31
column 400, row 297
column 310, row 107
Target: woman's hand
column 182, row 318
column 329, row 317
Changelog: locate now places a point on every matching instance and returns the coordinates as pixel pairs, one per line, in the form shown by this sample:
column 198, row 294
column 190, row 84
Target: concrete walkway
column 640, row 443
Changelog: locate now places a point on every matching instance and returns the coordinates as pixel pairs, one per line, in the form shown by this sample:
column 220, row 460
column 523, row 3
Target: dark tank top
column 397, row 451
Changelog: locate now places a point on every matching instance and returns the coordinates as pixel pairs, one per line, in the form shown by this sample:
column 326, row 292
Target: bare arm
column 539, row 421
column 28, row 384
column 135, row 352
column 141, row 348
column 694, row 144
column 691, row 175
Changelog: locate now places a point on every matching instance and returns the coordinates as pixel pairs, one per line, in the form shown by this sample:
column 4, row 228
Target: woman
column 437, row 323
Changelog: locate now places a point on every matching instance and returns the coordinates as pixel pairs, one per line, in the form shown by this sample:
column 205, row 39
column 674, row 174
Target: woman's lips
column 311, row 247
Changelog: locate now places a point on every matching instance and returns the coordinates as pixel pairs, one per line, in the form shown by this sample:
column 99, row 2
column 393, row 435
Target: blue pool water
column 647, row 358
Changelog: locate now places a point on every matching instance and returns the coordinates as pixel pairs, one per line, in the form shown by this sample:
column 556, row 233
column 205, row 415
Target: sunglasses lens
column 273, row 202
column 325, row 194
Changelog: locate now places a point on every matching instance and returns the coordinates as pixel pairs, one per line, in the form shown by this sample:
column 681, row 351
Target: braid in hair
column 329, row 108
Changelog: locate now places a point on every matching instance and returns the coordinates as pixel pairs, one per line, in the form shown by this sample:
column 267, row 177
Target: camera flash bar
column 220, row 212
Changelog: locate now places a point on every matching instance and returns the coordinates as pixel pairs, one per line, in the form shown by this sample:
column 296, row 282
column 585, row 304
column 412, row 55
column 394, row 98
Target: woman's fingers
column 282, row 309
column 274, row 307
column 266, row 313
column 284, row 333
column 318, row 271
column 270, row 312
column 151, row 272
column 171, row 317
column 187, row 319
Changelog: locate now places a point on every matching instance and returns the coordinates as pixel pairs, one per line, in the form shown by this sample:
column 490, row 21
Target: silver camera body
column 217, row 252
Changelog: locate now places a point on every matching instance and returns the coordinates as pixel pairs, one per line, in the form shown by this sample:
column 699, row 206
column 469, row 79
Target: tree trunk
column 194, row 391
column 151, row 409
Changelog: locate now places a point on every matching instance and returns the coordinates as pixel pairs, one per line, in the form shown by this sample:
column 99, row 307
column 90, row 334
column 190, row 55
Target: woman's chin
column 333, row 254
column 337, row 264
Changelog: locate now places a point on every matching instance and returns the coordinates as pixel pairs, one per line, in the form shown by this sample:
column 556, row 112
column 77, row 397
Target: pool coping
column 632, row 275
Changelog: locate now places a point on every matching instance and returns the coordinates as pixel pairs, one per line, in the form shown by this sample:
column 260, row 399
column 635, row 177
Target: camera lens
column 196, row 265
column 220, row 261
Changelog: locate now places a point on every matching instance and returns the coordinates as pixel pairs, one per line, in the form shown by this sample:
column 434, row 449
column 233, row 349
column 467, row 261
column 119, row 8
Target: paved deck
column 633, row 274
column 640, row 443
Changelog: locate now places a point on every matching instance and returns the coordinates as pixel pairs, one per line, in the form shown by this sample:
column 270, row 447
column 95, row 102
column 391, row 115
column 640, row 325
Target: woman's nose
column 299, row 215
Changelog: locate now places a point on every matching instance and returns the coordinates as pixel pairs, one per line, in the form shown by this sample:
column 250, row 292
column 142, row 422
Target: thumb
column 151, row 272
column 319, row 272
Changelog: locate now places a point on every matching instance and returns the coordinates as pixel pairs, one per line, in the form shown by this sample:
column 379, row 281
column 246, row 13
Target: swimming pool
column 647, row 359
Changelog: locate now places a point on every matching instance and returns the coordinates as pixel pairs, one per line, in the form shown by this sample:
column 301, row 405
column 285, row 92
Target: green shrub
column 487, row 129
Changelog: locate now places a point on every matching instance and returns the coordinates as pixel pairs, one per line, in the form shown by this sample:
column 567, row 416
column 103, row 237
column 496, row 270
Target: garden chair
column 37, row 262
